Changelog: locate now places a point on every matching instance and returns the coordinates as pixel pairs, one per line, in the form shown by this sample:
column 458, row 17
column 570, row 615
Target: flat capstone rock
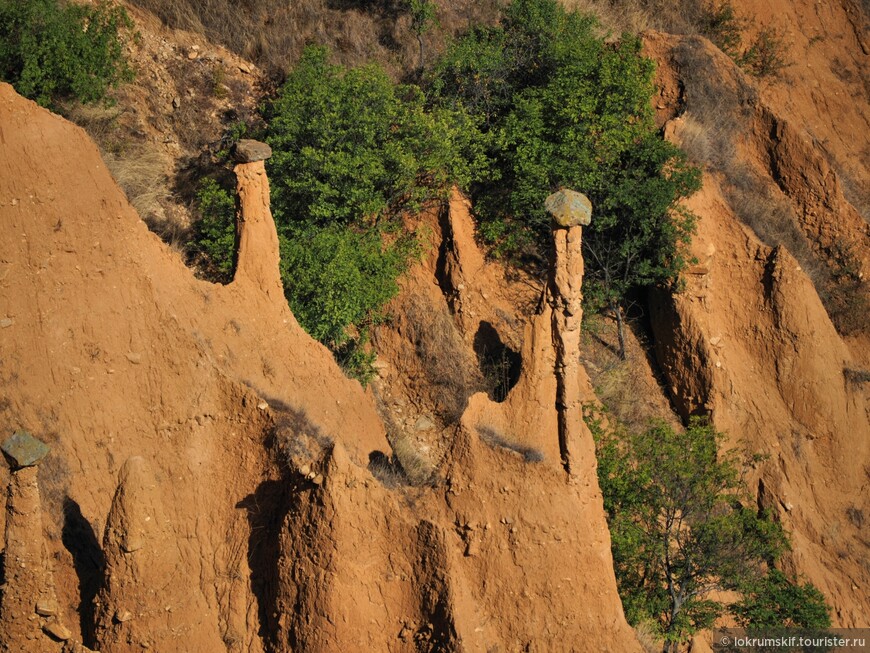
column 248, row 151
column 569, row 208
column 23, row 450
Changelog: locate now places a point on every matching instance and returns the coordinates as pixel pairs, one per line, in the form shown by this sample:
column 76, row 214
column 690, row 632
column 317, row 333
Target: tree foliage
column 560, row 107
column 775, row 602
column 51, row 50
column 216, row 227
column 351, row 146
column 682, row 527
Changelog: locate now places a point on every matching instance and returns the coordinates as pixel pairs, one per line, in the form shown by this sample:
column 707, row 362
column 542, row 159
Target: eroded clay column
column 257, row 254
column 29, row 612
column 570, row 212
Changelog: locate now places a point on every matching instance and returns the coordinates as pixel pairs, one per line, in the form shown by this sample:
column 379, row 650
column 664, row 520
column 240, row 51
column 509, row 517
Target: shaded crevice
column 438, row 632
column 500, row 365
column 81, row 541
column 266, row 510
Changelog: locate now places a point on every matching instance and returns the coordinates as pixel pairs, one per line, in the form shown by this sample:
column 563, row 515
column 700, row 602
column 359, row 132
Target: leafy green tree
column 216, row 228
column 422, row 19
column 351, row 146
column 51, row 50
column 560, row 107
column 775, row 602
column 335, row 277
column 351, row 151
column 682, row 526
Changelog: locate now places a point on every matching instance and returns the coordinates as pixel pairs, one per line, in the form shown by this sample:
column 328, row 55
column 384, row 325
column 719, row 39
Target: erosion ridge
column 237, row 453
column 749, row 342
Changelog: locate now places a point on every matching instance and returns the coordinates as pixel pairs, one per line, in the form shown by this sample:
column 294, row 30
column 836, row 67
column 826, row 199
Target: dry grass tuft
column 140, row 169
column 648, row 635
column 141, row 174
column 449, row 369
column 418, row 469
column 273, row 33
column 631, row 397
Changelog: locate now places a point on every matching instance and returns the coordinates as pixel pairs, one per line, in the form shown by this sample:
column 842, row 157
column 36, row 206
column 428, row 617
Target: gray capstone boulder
column 569, row 208
column 248, row 150
column 23, row 450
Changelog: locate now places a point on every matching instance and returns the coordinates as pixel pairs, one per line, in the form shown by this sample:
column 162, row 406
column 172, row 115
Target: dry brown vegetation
column 439, row 346
column 273, row 33
column 140, row 168
column 496, row 439
column 627, row 394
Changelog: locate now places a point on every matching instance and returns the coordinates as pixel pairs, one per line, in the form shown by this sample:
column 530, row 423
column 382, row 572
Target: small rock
column 245, row 68
column 176, row 102
column 248, row 151
column 6, row 322
column 132, row 543
column 472, row 548
column 46, row 607
column 57, row 630
column 305, row 470
column 23, row 450
column 318, row 480
column 698, row 270
column 424, row 424
column 134, row 358
column 193, row 54
column 122, row 616
column 569, row 208
column 262, row 405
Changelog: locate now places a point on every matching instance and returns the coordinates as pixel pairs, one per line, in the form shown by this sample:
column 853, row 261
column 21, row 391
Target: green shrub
column 560, row 107
column 51, row 50
column 683, row 528
column 215, row 231
column 336, row 276
column 719, row 23
column 351, row 151
column 775, row 602
column 352, row 147
column 765, row 57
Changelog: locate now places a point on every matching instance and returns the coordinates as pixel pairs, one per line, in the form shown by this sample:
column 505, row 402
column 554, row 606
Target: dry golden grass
column 272, row 33
column 629, row 392
column 448, row 367
column 647, row 635
column 417, row 467
column 140, row 169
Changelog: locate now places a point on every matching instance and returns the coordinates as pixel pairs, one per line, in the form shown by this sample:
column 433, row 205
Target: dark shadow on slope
column 80, row 540
column 499, row 364
column 266, row 508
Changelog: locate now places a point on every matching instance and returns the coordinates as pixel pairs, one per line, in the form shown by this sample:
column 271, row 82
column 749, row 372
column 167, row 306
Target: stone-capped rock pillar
column 570, row 211
column 29, row 611
column 257, row 252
